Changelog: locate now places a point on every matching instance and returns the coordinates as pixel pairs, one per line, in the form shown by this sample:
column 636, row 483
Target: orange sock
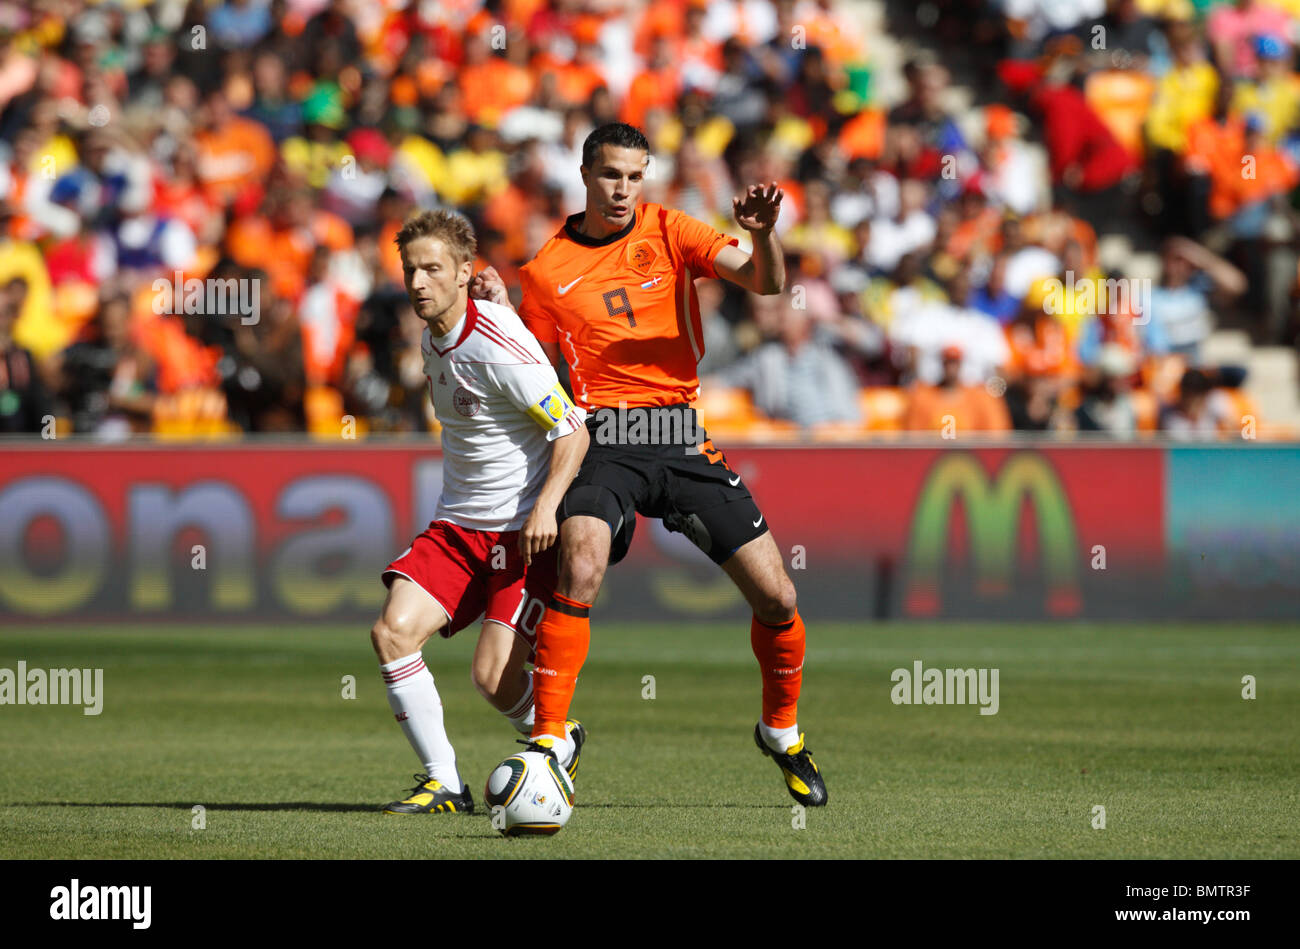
column 779, row 650
column 563, row 638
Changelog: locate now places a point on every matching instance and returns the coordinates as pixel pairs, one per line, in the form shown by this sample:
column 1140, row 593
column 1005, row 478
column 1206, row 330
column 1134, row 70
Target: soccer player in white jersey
column 512, row 441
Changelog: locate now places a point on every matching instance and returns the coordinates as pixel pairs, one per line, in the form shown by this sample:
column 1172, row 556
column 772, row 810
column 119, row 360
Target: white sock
column 414, row 700
column 520, row 714
column 779, row 739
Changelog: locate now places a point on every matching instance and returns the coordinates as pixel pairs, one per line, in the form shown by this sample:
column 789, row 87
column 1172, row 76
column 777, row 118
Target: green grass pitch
column 1146, row 720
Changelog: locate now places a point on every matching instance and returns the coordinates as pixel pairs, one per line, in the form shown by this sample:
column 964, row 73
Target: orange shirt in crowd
column 285, row 254
column 838, row 41
column 21, row 226
column 972, row 409
column 185, row 200
column 1041, row 348
column 235, row 157
column 182, row 361
column 390, row 258
column 1216, row 150
column 329, row 328
column 1232, row 187
column 975, row 235
column 506, row 211
column 863, row 136
column 652, row 88
column 492, row 88
column 575, row 82
column 666, row 18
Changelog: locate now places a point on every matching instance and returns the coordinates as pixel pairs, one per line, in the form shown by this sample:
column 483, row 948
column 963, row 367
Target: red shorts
column 472, row 573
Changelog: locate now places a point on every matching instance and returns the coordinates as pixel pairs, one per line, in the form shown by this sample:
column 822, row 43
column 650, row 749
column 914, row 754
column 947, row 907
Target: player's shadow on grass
column 679, row 804
column 187, row 805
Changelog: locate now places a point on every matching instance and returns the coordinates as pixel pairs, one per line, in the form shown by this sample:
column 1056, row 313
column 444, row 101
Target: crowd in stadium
column 276, row 147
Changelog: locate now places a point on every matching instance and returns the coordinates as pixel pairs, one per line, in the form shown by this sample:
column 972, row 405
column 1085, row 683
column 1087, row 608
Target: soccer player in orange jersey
column 613, row 292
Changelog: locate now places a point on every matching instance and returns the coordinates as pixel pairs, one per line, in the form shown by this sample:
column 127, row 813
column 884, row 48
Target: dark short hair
column 618, row 134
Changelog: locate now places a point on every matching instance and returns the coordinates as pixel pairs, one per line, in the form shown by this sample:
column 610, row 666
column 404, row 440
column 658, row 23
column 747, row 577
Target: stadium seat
column 727, row 414
column 324, row 409
column 883, row 408
column 194, row 412
column 838, row 432
column 1243, row 407
column 718, row 407
column 1147, row 409
column 768, row 430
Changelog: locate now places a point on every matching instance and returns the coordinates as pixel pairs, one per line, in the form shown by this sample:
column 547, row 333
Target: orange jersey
column 623, row 308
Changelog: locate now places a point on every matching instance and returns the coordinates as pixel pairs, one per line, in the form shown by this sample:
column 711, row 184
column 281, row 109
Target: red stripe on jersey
column 471, row 319
column 504, row 343
column 492, row 331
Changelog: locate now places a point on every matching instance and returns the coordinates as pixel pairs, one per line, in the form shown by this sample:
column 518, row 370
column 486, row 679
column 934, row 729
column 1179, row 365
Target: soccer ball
column 529, row 794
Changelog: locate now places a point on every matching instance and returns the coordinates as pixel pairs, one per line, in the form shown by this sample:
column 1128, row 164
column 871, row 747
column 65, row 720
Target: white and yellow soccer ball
column 529, row 793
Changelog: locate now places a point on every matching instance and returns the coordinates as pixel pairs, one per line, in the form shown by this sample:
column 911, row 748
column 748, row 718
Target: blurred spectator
column 931, row 332
column 993, row 298
column 1274, row 93
column 238, row 24
column 1200, row 411
column 318, row 153
column 938, row 137
column 1084, row 154
column 800, row 376
column 1184, row 95
column 1106, row 404
column 953, row 405
column 24, row 401
column 272, row 105
column 911, row 229
column 817, row 233
column 1011, row 175
column 903, row 292
column 1234, row 27
column 108, row 382
column 235, row 154
column 1180, row 303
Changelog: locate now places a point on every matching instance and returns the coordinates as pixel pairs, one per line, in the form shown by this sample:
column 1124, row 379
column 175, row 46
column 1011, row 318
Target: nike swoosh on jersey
column 759, row 521
column 566, row 288
column 734, row 481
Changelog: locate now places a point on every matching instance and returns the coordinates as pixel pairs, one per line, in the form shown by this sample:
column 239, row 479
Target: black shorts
column 682, row 479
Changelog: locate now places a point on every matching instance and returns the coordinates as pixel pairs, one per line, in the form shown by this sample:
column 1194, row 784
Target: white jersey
column 500, row 405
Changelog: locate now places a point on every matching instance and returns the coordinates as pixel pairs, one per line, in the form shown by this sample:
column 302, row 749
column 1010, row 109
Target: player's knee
column 392, row 639
column 581, row 575
column 487, row 673
column 777, row 602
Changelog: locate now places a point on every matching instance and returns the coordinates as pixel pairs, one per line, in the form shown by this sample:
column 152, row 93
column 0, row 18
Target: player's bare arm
column 762, row 271
column 541, row 530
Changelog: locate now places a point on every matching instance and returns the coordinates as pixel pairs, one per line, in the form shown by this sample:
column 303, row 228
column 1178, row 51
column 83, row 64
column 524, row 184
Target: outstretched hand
column 759, row 207
column 488, row 285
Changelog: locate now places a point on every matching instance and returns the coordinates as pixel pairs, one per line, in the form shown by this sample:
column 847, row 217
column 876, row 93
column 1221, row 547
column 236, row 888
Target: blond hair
column 447, row 226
